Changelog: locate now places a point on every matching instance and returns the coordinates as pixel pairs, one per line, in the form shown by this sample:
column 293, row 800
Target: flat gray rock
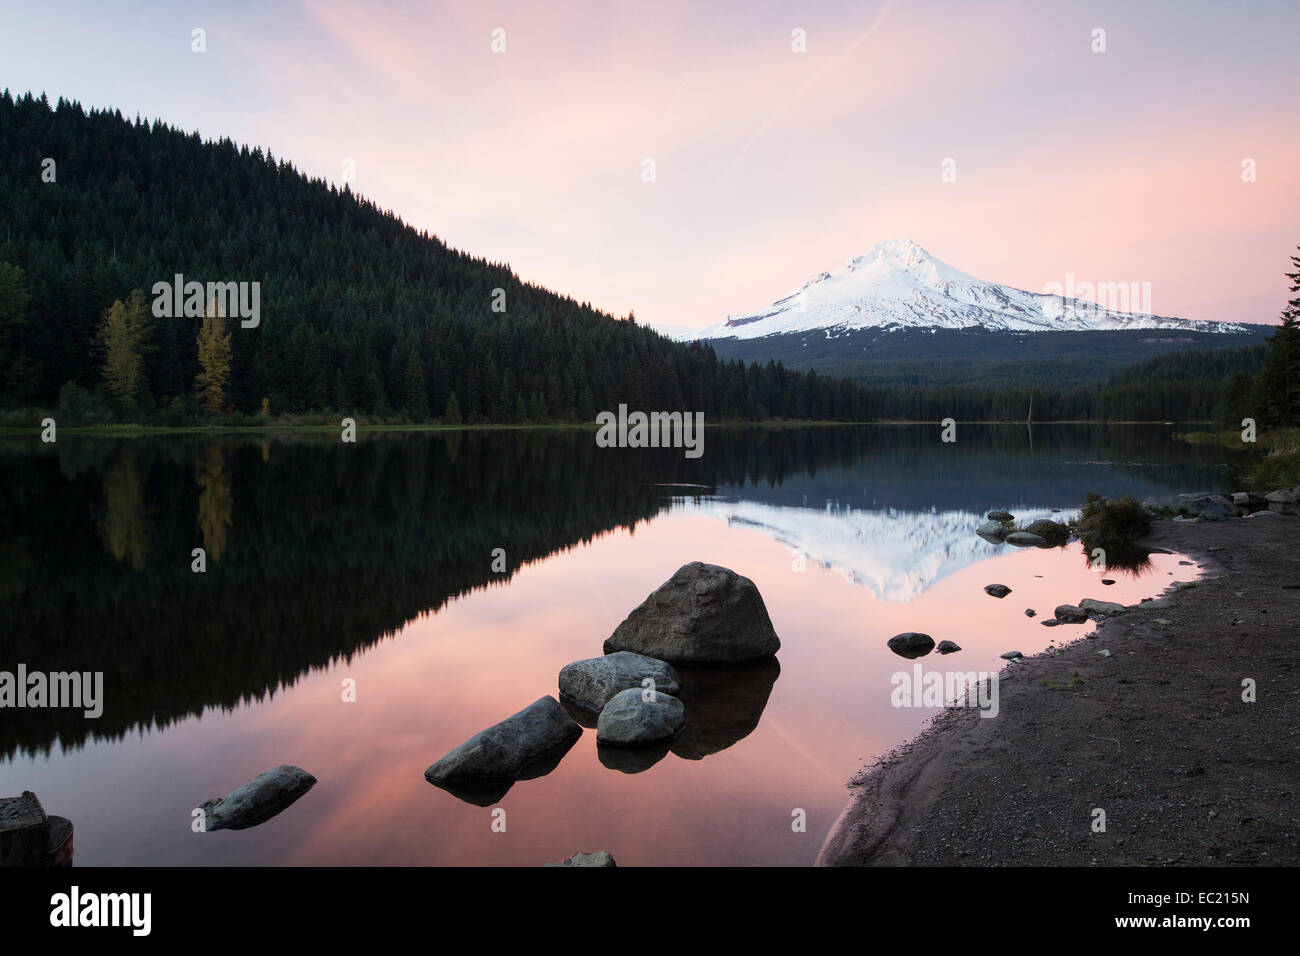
column 1071, row 614
column 992, row 530
column 258, row 800
column 630, row 720
column 702, row 614
column 592, row 682
column 1104, row 608
column 524, row 746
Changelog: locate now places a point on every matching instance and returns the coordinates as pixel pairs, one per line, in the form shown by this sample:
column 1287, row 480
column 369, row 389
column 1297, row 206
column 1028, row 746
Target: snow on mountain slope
column 896, row 555
column 898, row 284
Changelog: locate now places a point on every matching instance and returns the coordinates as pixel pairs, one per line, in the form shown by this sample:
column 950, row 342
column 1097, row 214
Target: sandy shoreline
column 1156, row 735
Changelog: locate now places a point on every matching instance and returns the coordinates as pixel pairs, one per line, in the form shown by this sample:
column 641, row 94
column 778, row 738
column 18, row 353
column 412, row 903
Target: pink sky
column 771, row 166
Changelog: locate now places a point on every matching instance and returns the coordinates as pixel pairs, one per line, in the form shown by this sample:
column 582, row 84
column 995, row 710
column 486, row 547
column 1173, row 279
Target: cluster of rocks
column 1085, row 609
column 1043, row 533
column 1213, row 506
column 914, row 644
column 702, row 617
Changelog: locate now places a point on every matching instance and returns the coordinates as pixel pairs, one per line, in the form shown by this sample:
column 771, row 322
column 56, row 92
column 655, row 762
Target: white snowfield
column 900, row 285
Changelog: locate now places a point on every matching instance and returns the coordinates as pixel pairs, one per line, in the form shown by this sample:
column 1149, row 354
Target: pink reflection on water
column 448, row 675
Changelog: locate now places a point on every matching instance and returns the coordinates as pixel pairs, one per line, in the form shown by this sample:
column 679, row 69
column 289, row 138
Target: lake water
column 373, row 562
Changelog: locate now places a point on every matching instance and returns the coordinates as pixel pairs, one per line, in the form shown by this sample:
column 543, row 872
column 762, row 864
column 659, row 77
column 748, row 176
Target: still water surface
column 373, row 562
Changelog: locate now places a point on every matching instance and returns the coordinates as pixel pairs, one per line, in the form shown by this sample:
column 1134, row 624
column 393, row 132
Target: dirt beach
column 1157, row 735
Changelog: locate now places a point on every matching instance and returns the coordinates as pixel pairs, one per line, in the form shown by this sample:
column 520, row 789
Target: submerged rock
column 911, row 644
column 524, row 746
column 1026, row 539
column 632, row 720
column 258, row 800
column 592, row 682
column 1071, row 614
column 599, row 858
column 702, row 614
column 947, row 647
column 992, row 531
column 997, row 590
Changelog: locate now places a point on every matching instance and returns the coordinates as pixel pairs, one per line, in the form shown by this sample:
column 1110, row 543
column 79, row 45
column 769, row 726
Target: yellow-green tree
column 124, row 336
column 214, row 361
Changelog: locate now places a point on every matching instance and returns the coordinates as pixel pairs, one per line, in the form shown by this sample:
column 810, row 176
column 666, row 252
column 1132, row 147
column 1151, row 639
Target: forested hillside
column 360, row 313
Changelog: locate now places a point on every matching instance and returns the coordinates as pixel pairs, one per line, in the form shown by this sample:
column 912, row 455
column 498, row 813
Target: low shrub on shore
column 1115, row 527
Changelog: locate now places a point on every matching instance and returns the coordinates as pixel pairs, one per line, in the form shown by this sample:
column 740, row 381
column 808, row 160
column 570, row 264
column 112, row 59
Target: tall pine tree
column 1275, row 398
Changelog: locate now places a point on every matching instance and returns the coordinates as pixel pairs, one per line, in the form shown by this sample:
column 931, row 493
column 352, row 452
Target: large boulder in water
column 636, row 718
column 992, row 531
column 524, row 746
column 592, row 682
column 703, row 614
column 258, row 800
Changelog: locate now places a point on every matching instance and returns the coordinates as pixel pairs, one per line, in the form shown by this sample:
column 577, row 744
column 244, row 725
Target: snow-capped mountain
column 899, row 285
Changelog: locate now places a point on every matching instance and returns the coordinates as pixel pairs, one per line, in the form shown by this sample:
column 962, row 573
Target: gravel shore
column 1156, row 735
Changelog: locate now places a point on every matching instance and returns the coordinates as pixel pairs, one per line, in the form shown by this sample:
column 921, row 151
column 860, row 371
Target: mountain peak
column 898, row 284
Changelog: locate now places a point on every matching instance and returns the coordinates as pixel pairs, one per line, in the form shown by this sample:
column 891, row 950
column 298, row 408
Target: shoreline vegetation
column 128, row 430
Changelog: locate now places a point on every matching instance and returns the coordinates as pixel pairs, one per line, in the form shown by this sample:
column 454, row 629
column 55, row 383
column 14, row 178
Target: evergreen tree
column 417, row 400
column 1275, row 398
column 14, row 299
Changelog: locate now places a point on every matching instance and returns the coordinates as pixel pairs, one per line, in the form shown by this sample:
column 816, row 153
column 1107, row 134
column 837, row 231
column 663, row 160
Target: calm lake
column 373, row 562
